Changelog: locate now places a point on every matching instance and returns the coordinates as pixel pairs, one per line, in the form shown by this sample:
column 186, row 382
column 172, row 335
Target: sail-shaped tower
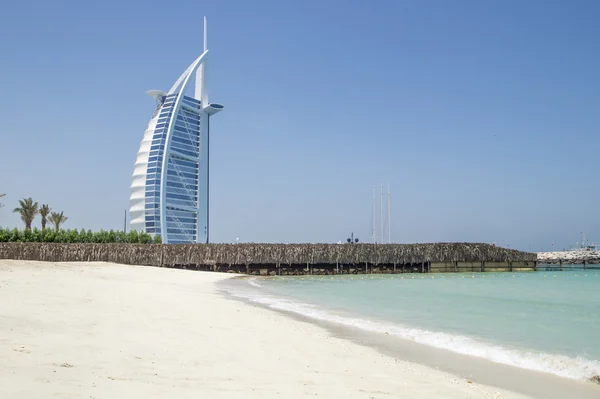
column 170, row 185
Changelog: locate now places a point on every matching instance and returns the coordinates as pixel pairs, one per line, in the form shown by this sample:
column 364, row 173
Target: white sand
column 94, row 330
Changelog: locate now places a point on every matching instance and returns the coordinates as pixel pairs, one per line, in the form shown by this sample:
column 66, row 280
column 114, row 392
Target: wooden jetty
column 287, row 259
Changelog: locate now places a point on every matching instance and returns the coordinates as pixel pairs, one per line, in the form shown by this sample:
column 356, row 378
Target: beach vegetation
column 28, row 211
column 15, row 235
column 57, row 219
column 72, row 236
column 145, row 239
column 133, row 237
column 44, row 212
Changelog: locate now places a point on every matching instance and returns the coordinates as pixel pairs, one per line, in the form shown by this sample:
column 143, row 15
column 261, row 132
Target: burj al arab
column 170, row 185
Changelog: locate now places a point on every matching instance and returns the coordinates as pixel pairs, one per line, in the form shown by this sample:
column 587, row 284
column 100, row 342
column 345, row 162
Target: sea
column 542, row 321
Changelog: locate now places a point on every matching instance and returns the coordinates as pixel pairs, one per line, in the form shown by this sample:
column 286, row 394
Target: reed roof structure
column 257, row 254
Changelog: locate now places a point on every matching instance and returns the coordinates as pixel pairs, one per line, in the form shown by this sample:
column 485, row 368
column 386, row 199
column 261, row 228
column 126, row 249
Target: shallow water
column 543, row 321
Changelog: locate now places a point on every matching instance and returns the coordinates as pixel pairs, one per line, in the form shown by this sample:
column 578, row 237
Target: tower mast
column 381, row 214
column 373, row 217
column 389, row 206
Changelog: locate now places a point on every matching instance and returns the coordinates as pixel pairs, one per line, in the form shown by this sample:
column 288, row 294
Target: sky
column 484, row 116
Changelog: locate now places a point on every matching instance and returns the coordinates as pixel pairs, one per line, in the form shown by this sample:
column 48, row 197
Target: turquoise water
column 545, row 321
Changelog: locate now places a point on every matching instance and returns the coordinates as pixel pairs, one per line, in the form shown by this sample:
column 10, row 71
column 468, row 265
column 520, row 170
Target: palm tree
column 28, row 210
column 44, row 212
column 57, row 219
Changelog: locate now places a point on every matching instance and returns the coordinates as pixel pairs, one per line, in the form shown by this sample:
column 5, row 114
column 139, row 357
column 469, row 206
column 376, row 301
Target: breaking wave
column 578, row 368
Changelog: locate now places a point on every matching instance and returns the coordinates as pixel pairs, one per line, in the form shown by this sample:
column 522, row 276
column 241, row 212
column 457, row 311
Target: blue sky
column 483, row 115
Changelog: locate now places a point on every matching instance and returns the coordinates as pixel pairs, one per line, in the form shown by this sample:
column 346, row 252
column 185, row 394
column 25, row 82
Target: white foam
column 254, row 283
column 575, row 368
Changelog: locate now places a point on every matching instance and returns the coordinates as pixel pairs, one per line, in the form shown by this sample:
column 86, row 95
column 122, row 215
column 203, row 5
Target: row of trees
column 74, row 236
column 29, row 210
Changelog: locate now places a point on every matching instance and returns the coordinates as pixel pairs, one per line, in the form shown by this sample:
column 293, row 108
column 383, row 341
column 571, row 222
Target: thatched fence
column 244, row 257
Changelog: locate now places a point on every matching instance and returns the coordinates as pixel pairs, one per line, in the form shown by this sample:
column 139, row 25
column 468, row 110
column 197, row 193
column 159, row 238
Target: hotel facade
column 170, row 186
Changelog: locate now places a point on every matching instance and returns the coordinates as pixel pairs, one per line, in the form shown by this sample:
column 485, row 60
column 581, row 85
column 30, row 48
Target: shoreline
column 105, row 330
column 506, row 377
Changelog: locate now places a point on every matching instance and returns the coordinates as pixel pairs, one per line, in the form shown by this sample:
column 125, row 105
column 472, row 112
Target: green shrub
column 133, row 237
column 4, row 235
column 50, row 235
column 99, row 237
column 82, row 236
column 62, row 236
column 36, row 235
column 72, row 236
column 121, row 237
column 15, row 235
column 27, row 236
column 145, row 238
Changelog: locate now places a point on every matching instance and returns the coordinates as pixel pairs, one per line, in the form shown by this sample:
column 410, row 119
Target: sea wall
column 293, row 258
column 569, row 257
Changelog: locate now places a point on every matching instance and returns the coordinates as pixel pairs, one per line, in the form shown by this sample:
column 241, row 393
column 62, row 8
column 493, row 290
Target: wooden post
column 510, row 267
column 584, row 265
column 535, row 265
column 366, row 268
column 247, row 269
column 561, row 267
column 394, row 267
column 422, row 267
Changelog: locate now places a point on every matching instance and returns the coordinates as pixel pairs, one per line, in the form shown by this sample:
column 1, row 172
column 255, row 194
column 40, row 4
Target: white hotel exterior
column 169, row 189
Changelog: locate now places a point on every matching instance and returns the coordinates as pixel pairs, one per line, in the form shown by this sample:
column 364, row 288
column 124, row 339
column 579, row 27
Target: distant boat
column 588, row 247
column 585, row 246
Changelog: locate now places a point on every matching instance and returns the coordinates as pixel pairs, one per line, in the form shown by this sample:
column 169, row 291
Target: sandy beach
column 95, row 330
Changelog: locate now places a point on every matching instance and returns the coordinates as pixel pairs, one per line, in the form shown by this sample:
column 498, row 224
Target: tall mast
column 389, row 215
column 373, row 217
column 381, row 214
